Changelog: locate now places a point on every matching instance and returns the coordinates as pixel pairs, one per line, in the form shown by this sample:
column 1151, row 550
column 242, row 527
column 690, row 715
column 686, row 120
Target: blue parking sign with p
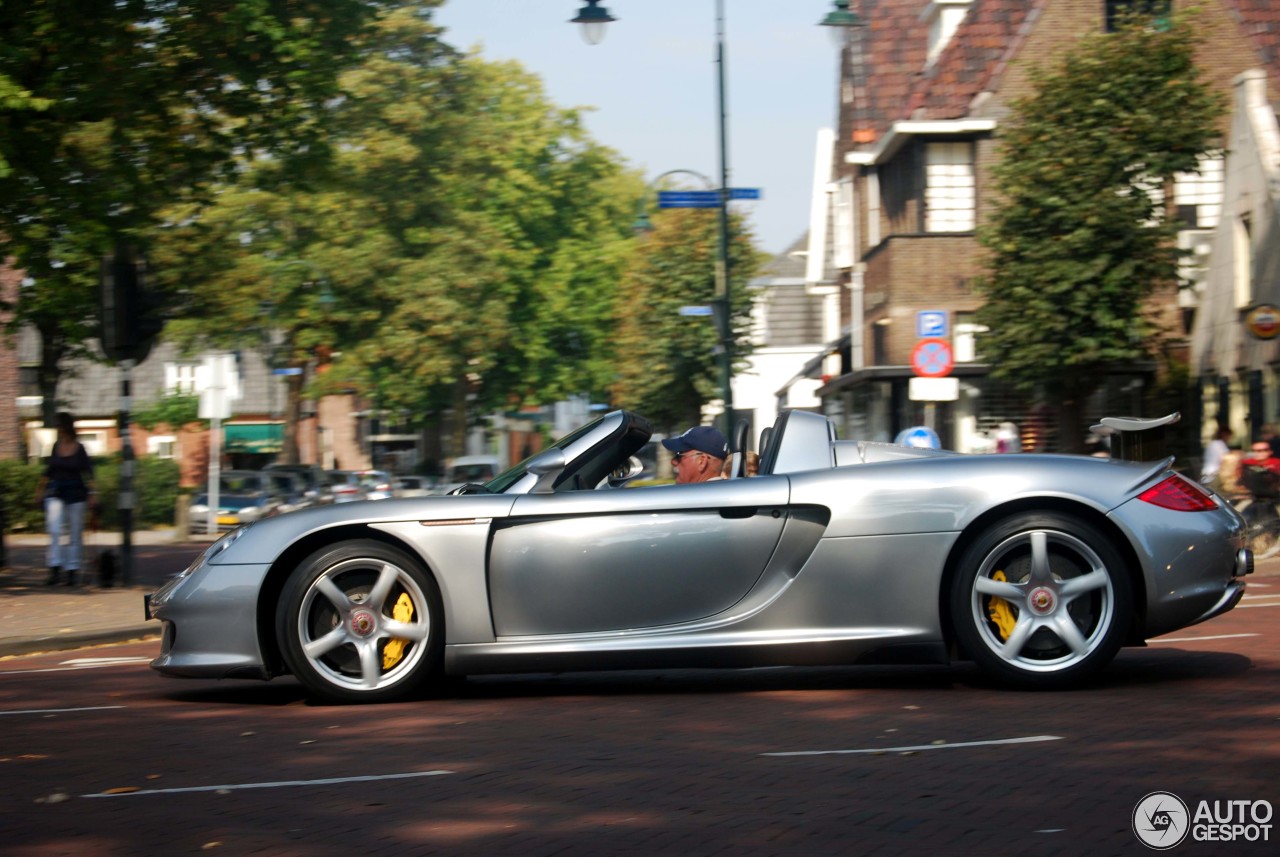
column 931, row 323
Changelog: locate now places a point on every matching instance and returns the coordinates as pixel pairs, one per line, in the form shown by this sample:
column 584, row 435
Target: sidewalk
column 38, row 618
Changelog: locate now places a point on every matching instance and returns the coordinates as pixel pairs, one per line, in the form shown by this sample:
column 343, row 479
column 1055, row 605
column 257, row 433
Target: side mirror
column 625, row 472
column 547, row 466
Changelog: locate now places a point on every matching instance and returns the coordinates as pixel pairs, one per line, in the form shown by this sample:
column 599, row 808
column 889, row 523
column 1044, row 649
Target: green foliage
column 667, row 367
column 1078, row 243
column 174, row 410
column 18, row 483
column 469, row 235
column 155, row 486
column 155, row 491
column 111, row 111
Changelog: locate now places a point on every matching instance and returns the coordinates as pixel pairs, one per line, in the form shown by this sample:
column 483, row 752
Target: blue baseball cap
column 708, row 439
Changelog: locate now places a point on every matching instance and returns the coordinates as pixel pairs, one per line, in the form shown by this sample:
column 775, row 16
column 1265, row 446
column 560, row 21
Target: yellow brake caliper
column 394, row 649
column 999, row 611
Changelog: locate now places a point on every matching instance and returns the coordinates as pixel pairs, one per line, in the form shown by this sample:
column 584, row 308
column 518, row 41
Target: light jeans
column 69, row 518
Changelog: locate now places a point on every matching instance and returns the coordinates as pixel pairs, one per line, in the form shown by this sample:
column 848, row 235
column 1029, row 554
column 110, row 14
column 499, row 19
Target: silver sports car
column 1037, row 567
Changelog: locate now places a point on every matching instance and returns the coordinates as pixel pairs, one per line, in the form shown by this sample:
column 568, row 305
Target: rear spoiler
column 1136, row 438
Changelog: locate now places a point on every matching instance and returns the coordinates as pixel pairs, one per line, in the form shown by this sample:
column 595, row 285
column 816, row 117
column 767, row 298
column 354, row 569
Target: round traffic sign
column 1263, row 321
column 932, row 358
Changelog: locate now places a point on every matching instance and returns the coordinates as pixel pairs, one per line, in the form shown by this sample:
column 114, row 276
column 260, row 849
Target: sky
column 652, row 85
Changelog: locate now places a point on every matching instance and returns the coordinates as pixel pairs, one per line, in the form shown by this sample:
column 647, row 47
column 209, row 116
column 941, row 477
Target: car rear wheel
column 1042, row 600
column 360, row 622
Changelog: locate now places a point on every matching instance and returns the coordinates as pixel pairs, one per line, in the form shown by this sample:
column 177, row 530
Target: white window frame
column 950, row 187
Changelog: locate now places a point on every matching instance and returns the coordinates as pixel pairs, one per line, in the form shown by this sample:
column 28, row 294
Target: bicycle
column 1259, row 509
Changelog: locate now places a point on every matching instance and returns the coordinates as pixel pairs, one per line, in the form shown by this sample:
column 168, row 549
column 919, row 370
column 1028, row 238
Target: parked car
column 244, row 496
column 1039, row 568
column 414, row 486
column 345, row 486
column 290, row 487
column 377, row 484
column 468, row 468
column 316, row 485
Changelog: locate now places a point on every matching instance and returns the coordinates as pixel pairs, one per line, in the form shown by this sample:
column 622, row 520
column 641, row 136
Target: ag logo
column 1161, row 820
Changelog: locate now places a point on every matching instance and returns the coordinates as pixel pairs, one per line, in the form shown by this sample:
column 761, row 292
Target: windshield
column 503, row 481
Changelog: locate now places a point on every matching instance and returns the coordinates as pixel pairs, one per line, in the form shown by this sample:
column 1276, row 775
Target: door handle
column 738, row 512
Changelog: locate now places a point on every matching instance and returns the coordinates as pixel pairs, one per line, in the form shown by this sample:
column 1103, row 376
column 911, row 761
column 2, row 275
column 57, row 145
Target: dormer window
column 1159, row 11
column 943, row 17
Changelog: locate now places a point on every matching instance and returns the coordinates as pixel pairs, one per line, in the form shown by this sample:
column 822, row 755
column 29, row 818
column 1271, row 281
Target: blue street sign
column 688, row 199
column 696, row 310
column 287, row 370
column 702, row 198
column 932, row 324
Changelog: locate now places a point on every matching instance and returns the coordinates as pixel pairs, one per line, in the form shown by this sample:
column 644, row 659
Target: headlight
column 220, row 545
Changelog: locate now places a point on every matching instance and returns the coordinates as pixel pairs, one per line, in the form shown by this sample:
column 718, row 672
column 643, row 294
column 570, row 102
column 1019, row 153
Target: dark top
column 66, row 475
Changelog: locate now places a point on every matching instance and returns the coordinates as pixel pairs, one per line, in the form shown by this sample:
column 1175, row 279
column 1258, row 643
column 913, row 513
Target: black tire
column 1067, row 600
column 336, row 615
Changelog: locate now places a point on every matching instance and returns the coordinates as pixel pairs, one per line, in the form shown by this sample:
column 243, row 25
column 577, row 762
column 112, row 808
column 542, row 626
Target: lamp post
column 642, row 223
column 593, row 18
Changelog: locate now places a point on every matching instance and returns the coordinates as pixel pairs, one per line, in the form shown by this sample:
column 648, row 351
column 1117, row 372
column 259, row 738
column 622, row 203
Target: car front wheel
column 1041, row 600
column 360, row 621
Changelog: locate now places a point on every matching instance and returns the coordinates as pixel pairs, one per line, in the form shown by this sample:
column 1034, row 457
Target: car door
column 606, row 560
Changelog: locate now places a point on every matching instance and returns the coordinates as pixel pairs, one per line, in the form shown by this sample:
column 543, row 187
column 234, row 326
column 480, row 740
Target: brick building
column 923, row 89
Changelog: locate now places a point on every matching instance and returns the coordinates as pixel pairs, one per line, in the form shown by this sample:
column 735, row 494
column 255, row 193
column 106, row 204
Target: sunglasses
column 679, row 456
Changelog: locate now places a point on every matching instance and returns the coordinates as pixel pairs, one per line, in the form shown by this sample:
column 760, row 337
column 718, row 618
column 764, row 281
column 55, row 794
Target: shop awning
column 258, row 438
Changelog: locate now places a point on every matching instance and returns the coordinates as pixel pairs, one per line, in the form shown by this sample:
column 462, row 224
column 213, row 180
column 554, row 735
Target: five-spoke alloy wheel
column 360, row 621
column 1041, row 600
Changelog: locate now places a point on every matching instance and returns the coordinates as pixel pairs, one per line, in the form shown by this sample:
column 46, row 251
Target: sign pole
column 125, row 503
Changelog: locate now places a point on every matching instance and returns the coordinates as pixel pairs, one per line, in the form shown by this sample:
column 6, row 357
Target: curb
column 61, row 642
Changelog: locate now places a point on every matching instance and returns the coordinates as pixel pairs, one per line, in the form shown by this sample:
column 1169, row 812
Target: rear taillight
column 1179, row 494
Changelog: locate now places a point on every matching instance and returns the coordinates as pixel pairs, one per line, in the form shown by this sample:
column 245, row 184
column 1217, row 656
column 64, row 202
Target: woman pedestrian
column 66, row 488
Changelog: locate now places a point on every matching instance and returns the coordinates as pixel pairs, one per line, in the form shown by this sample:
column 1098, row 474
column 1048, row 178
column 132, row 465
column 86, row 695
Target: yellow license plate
column 228, row 519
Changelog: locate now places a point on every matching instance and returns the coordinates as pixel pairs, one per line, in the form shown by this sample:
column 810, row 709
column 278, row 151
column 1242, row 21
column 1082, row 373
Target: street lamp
column 643, row 223
column 593, row 20
column 840, row 19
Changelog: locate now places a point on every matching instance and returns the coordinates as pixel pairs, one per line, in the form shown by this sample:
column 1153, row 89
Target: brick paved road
column 650, row 763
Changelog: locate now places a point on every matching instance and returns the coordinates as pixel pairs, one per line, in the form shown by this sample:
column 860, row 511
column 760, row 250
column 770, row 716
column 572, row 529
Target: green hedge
column 155, row 493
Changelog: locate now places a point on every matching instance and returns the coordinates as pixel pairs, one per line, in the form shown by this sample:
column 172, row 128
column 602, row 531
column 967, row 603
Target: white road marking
column 279, row 785
column 62, row 710
column 1198, row 639
column 93, row 662
column 1248, row 606
column 63, row 669
column 877, row 750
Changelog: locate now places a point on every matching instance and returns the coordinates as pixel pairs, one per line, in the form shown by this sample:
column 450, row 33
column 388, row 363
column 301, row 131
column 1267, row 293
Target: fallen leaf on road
column 120, row 790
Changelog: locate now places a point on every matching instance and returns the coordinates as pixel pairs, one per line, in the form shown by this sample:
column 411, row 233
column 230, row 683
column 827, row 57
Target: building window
column 1156, row 10
column 873, row 208
column 162, row 446
column 180, row 378
column 949, row 188
column 1197, row 197
column 965, row 341
column 1243, row 258
column 29, row 381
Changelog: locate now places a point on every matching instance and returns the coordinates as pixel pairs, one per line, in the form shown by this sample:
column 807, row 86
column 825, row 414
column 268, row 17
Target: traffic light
column 131, row 315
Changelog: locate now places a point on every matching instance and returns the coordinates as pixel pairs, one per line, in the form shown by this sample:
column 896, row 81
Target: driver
column 699, row 454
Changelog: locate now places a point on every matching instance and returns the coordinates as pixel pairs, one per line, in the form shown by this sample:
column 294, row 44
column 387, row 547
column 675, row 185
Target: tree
column 110, row 111
column 468, row 235
column 667, row 365
column 1081, row 239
